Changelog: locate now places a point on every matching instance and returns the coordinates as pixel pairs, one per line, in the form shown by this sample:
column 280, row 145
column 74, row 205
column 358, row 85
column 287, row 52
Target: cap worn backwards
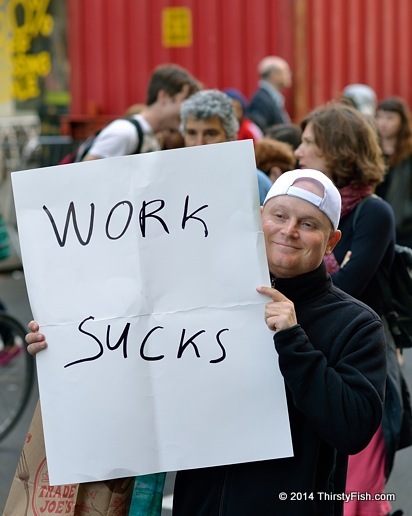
column 329, row 204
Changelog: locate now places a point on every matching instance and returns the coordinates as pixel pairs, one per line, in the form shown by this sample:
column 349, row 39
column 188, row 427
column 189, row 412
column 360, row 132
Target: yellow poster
column 29, row 21
column 176, row 27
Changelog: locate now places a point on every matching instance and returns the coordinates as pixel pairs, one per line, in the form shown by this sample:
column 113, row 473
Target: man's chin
column 283, row 269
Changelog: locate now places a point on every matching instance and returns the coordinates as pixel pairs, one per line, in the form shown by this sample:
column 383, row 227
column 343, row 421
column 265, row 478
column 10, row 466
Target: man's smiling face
column 297, row 233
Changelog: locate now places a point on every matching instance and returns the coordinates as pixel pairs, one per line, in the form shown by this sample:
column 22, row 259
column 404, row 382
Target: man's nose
column 200, row 139
column 290, row 227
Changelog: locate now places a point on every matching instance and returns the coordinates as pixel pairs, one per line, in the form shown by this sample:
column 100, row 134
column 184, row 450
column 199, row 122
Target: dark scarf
column 351, row 197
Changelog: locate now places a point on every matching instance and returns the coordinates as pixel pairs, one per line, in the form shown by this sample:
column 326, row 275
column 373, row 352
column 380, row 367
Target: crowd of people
column 340, row 364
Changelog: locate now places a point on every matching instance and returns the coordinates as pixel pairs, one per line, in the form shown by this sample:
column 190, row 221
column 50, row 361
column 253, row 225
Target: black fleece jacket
column 334, row 367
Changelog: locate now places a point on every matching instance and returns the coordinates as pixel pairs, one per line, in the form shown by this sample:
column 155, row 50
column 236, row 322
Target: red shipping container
column 114, row 46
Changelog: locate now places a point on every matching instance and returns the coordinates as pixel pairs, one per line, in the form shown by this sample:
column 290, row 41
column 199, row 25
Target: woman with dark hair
column 288, row 133
column 394, row 125
column 342, row 143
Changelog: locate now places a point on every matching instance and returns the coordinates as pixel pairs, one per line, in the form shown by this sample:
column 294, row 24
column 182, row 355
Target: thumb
column 274, row 294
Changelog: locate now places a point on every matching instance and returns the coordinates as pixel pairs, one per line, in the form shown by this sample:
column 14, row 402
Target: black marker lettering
column 143, row 215
column 95, row 357
column 145, row 357
column 129, row 218
column 186, row 217
column 122, row 338
column 183, row 345
column 71, row 212
column 220, row 359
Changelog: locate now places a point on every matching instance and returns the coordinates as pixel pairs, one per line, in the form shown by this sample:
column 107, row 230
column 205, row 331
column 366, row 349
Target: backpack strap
column 140, row 136
column 84, row 148
column 383, row 283
column 358, row 208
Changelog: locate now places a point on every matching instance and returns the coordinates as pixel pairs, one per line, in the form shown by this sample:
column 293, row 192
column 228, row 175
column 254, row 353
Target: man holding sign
column 331, row 354
column 332, row 357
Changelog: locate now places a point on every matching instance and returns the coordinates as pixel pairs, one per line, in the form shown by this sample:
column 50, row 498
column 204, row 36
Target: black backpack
column 398, row 297
column 397, row 292
column 82, row 150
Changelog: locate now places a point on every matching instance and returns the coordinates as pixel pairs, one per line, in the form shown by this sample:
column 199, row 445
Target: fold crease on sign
column 166, row 312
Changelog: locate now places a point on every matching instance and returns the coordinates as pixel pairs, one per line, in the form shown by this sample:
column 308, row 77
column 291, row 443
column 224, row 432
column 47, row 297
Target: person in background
column 334, row 391
column 169, row 85
column 394, row 126
column 288, row 133
column 267, row 105
column 248, row 130
column 362, row 97
column 338, row 140
column 273, row 157
column 171, row 138
column 134, row 109
column 209, row 117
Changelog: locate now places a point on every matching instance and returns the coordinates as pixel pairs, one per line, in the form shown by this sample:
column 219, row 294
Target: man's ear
column 261, row 210
column 334, row 238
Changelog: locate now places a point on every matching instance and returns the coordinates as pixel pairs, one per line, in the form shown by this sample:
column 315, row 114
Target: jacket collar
column 305, row 287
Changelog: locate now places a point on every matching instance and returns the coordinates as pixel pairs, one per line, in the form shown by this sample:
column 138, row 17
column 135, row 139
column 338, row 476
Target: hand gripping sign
column 141, row 271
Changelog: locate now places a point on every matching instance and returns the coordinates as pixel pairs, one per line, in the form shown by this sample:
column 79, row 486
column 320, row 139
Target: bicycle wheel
column 16, row 373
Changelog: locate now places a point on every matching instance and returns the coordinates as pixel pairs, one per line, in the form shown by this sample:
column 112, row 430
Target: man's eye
column 307, row 224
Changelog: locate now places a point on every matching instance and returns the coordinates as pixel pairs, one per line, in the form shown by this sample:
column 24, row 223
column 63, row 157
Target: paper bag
column 31, row 494
column 110, row 497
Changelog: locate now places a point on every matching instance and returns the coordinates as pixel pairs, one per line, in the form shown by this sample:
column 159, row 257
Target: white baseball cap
column 331, row 202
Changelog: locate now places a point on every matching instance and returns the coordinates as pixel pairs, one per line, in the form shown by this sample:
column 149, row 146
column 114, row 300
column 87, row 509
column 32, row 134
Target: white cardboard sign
column 141, row 271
